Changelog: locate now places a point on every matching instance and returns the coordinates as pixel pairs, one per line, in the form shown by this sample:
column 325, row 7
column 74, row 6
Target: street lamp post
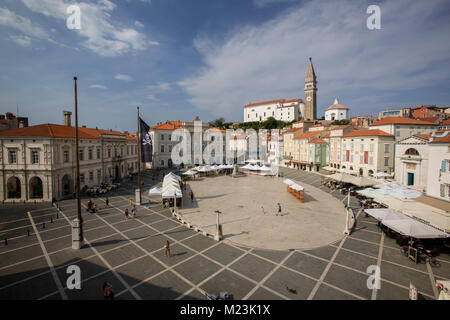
column 77, row 233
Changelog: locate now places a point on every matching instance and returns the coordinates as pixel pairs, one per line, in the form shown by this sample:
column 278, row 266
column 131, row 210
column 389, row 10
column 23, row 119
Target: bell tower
column 310, row 93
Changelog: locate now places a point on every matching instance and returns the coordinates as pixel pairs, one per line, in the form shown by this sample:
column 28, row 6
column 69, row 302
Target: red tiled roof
column 171, row 125
column 57, row 131
column 292, row 130
column 445, row 139
column 445, row 123
column 401, row 120
column 293, row 100
column 428, row 119
column 423, row 136
column 317, row 141
column 367, row 133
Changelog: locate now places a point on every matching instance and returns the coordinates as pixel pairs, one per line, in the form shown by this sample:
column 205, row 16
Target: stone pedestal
column 138, row 197
column 77, row 242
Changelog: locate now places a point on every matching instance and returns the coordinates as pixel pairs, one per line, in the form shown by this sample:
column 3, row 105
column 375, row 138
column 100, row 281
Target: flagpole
column 78, row 224
column 138, row 191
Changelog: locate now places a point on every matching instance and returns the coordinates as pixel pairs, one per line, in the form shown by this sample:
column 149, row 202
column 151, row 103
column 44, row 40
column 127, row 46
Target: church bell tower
column 310, row 93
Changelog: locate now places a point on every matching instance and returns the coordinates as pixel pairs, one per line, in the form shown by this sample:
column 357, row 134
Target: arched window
column 36, row 188
column 13, row 188
column 412, row 152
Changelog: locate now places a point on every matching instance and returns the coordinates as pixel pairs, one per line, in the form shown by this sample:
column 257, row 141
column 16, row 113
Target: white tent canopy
column 405, row 225
column 190, row 173
column 357, row 181
column 381, row 175
column 415, row 229
column 264, row 168
column 155, row 192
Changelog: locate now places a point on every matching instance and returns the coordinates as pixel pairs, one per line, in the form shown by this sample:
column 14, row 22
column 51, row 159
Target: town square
column 187, row 154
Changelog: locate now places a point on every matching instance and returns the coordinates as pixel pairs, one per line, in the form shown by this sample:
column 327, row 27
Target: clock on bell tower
column 310, row 93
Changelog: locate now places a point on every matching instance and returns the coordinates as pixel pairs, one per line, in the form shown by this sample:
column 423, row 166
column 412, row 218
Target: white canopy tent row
column 405, row 225
column 357, row 181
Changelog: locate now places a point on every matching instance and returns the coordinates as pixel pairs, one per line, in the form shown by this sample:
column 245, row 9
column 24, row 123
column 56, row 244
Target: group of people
column 278, row 210
column 133, row 210
column 91, row 207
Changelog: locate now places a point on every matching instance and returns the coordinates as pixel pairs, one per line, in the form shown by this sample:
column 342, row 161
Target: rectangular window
column 162, row 148
column 351, row 147
column 81, row 155
column 12, row 156
column 443, row 165
column 128, row 150
column 366, row 156
column 351, row 158
column 90, row 154
column 81, row 177
column 386, row 148
column 361, row 158
column 109, row 152
column 371, row 160
column 162, row 137
column 91, row 175
column 442, row 190
column 34, row 156
column 170, row 148
column 66, row 156
column 99, row 175
column 347, row 155
column 386, row 161
column 362, row 148
column 371, row 147
column 98, row 153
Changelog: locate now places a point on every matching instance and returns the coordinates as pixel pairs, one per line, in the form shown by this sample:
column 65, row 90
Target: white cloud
column 160, row 86
column 103, row 37
column 97, row 86
column 154, row 43
column 269, row 61
column 123, row 77
column 138, row 24
column 24, row 25
column 24, row 41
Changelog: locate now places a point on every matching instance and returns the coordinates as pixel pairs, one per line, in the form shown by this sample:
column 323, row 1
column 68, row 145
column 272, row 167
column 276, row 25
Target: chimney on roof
column 67, row 118
column 84, row 126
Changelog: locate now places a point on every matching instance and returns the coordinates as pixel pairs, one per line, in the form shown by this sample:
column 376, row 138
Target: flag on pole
column 146, row 142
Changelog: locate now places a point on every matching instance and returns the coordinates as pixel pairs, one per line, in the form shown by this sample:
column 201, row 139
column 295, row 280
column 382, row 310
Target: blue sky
column 177, row 59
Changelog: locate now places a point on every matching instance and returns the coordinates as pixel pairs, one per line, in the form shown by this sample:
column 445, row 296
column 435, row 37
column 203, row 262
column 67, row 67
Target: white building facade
column 411, row 161
column 336, row 112
column 284, row 110
column 438, row 180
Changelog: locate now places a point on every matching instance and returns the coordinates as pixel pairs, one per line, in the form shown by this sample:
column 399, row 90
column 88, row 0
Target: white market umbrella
column 172, row 175
column 190, row 173
column 385, row 214
column 264, row 168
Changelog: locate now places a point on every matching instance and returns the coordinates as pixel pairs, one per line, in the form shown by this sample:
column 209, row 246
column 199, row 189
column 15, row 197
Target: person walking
column 192, row 196
column 279, row 209
column 126, row 213
column 133, row 211
column 167, row 249
column 262, row 210
column 95, row 208
column 89, row 205
column 131, row 202
column 107, row 201
column 108, row 291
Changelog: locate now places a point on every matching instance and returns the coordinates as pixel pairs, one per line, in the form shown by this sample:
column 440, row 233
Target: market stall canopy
column 288, row 182
column 173, row 175
column 397, row 190
column 172, row 194
column 247, row 167
column 255, row 167
column 155, row 192
column 296, row 187
column 328, row 168
column 264, row 168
